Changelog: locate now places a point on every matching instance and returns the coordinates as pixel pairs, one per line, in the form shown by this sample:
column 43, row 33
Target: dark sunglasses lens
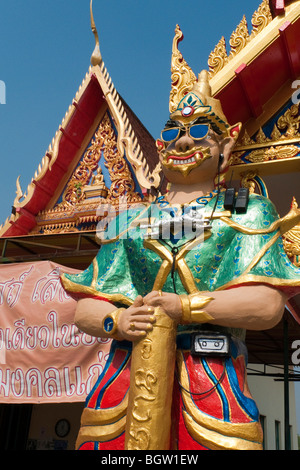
column 199, row 131
column 170, row 134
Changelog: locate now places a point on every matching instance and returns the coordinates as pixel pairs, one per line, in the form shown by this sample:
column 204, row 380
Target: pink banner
column 44, row 358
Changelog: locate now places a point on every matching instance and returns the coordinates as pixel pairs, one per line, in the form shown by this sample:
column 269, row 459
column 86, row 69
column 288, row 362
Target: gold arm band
column 192, row 308
column 110, row 322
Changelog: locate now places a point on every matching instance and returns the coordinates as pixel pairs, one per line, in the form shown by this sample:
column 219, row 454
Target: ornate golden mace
column 148, row 420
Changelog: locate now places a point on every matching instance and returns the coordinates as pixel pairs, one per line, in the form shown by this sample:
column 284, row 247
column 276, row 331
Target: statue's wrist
column 110, row 323
column 193, row 308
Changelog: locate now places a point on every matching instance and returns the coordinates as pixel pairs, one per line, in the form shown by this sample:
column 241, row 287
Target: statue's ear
column 227, row 144
column 234, row 131
column 159, row 145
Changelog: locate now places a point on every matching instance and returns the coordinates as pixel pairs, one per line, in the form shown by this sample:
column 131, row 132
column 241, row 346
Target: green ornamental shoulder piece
column 241, row 249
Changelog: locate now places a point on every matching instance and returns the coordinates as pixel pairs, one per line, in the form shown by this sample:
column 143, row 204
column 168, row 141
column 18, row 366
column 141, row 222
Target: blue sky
column 45, row 49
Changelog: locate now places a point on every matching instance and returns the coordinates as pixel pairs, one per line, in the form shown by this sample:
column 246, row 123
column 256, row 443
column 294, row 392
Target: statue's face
column 188, row 150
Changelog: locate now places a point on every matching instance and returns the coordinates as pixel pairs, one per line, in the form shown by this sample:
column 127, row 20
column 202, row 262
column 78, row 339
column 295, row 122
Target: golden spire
column 183, row 78
column 191, row 97
column 202, row 87
column 96, row 58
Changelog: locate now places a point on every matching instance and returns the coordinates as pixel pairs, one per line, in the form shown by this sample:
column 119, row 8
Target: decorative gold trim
column 192, row 306
column 95, row 273
column 261, row 18
column 273, row 153
column 285, row 133
column 291, row 241
column 185, row 307
column 251, row 278
column 292, row 250
column 212, row 431
column 283, row 224
column 100, row 433
column 215, row 441
column 96, row 58
column 122, row 183
column 100, row 417
column 248, row 181
column 185, row 275
column 261, row 253
column 265, row 31
column 82, row 175
column 182, row 268
column 148, row 421
column 74, row 288
column 127, row 141
column 239, row 38
column 218, row 57
column 182, row 76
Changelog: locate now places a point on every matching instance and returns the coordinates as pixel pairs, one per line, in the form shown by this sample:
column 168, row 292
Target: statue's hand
column 136, row 320
column 169, row 302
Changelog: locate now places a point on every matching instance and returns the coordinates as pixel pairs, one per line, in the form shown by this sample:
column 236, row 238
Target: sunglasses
column 196, row 132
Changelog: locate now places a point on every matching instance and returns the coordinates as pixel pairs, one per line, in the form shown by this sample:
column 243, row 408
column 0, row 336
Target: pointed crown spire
column 191, row 97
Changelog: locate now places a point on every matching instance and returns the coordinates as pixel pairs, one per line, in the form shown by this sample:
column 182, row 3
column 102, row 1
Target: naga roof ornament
column 96, row 58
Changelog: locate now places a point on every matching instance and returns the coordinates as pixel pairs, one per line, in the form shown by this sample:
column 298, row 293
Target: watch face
column 62, row 427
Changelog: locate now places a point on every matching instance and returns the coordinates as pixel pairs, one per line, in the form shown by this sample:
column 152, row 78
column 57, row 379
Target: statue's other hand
column 168, row 301
column 136, row 320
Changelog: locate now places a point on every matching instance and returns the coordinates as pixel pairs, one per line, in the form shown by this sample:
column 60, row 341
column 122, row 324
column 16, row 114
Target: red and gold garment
column 212, row 408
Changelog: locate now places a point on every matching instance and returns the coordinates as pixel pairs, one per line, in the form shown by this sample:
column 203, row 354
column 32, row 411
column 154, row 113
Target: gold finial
column 202, row 87
column 187, row 89
column 183, row 78
column 19, row 192
column 96, row 56
column 203, row 83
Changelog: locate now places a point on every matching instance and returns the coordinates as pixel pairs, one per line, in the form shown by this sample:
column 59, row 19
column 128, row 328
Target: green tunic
column 239, row 249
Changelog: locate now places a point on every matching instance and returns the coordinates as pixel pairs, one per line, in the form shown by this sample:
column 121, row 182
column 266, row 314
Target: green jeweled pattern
column 126, row 267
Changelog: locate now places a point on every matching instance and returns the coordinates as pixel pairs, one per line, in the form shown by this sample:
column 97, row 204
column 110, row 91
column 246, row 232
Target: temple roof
column 256, row 77
column 96, row 99
column 253, row 78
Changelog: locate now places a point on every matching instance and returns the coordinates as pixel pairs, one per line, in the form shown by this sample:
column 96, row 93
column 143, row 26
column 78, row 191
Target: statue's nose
column 184, row 143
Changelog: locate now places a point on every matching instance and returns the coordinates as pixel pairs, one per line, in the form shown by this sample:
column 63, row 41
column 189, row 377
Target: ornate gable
column 257, row 81
column 101, row 151
column 103, row 175
column 274, row 148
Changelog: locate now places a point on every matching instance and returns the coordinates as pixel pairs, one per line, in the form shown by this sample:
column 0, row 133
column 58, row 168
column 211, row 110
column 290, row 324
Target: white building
column 267, row 389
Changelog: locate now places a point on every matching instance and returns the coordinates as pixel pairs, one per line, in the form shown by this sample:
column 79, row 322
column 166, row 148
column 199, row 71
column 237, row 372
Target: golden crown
column 191, row 97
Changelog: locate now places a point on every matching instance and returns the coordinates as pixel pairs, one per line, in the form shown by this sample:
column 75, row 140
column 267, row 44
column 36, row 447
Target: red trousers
column 211, row 404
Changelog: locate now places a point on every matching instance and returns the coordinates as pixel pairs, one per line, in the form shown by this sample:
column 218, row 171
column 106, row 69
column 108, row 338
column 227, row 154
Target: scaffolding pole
column 287, row 437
